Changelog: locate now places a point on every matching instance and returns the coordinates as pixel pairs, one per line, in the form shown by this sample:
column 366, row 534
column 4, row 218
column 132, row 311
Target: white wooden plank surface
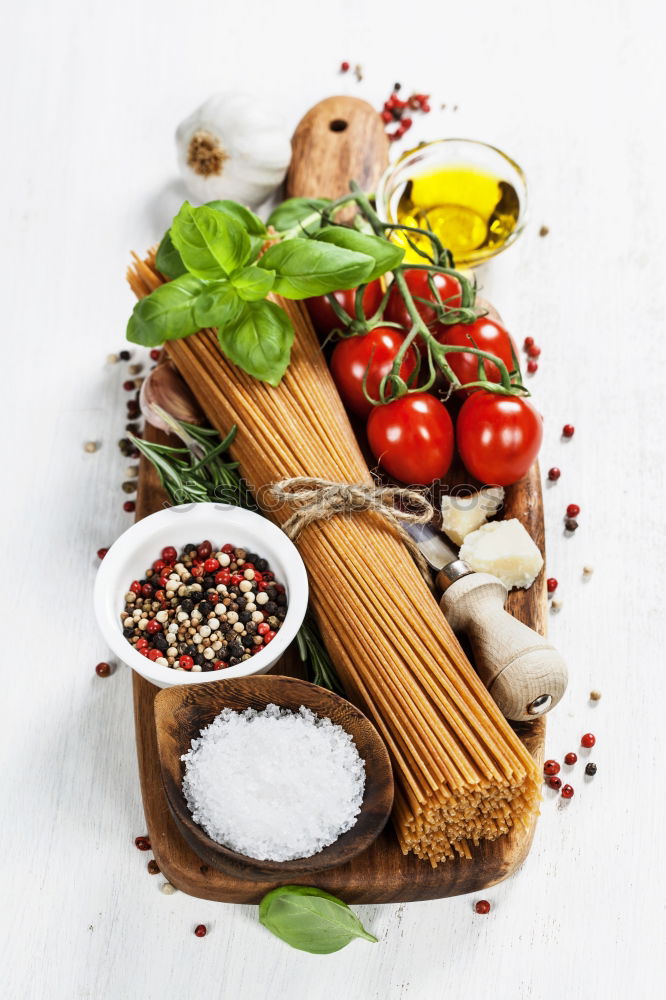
column 92, row 93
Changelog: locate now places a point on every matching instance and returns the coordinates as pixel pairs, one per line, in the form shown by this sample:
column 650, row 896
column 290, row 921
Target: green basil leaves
column 221, row 277
column 310, row 919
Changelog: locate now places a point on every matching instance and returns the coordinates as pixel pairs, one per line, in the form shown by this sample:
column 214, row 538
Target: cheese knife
column 523, row 672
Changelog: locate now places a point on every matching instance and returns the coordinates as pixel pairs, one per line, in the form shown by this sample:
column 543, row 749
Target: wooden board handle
column 518, row 666
column 339, row 140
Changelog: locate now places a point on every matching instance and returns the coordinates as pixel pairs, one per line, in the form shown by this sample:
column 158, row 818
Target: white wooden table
column 92, row 93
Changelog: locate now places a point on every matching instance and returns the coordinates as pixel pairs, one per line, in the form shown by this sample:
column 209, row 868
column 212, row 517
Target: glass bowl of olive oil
column 468, row 193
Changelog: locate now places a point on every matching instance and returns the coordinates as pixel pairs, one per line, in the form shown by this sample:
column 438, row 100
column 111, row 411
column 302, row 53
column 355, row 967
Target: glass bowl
column 470, row 189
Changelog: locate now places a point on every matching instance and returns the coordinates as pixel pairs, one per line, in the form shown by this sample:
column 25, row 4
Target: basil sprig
column 220, row 277
column 310, row 919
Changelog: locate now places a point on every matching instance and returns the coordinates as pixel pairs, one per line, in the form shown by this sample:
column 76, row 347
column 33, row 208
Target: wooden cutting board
column 338, row 139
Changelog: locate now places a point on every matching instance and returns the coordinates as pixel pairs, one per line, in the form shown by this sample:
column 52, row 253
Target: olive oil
column 472, row 212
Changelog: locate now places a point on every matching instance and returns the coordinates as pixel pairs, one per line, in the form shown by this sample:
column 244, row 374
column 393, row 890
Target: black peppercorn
column 124, row 355
column 269, row 608
column 281, row 613
column 281, row 600
column 128, row 632
column 204, row 607
column 191, row 650
column 161, row 642
column 200, row 659
column 244, row 617
column 234, row 660
column 261, row 565
column 187, row 605
column 571, row 524
column 591, row 769
column 253, row 558
column 247, row 641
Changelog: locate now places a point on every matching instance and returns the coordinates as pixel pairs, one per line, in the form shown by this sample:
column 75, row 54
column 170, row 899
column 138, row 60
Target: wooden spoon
column 181, row 713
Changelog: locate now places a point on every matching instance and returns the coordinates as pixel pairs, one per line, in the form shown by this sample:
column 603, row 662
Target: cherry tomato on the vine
column 412, row 438
column 323, row 315
column 498, row 437
column 488, row 335
column 447, row 286
column 374, row 353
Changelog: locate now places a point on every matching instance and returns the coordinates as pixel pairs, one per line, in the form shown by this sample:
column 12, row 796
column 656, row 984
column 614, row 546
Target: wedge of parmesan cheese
column 504, row 549
column 460, row 515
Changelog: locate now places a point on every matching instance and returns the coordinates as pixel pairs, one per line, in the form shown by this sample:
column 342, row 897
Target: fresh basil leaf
column 304, row 268
column 167, row 313
column 310, row 919
column 252, row 283
column 385, row 255
column 212, row 244
column 259, row 341
column 250, row 222
column 294, row 211
column 217, row 305
column 168, row 260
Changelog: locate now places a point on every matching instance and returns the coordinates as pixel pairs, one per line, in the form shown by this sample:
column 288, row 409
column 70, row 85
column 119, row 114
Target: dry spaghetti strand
column 462, row 775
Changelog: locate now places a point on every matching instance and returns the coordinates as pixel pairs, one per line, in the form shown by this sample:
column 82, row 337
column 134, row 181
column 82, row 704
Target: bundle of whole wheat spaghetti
column 461, row 773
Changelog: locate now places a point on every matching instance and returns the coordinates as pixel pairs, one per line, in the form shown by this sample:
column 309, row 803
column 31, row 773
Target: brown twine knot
column 321, row 499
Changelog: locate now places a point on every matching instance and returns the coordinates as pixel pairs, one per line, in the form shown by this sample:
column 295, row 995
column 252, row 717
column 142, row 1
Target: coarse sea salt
column 275, row 785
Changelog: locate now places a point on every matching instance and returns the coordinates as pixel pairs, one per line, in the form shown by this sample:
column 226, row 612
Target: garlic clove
column 164, row 387
column 233, row 147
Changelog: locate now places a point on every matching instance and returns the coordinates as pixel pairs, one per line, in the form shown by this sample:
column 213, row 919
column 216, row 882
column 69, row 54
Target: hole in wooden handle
column 338, row 125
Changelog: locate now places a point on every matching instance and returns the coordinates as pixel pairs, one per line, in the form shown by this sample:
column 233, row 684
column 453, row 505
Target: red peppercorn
column 197, row 571
column 236, row 579
column 152, row 866
column 263, row 585
column 263, row 628
column 406, row 124
column 219, row 665
column 153, row 626
column 143, row 843
column 142, row 644
column 101, row 553
column 103, row 669
column 528, row 342
column 164, row 579
column 344, row 68
column 159, row 565
column 554, row 474
column 155, row 354
column 224, row 576
column 201, row 930
column 160, row 595
column 154, row 654
column 258, row 577
column 551, row 584
column 555, row 782
column 270, row 635
column 147, row 590
column 532, row 367
column 588, row 740
column 211, row 565
column 573, row 510
column 425, row 107
column 204, row 550
column 568, row 430
column 483, row 906
column 387, row 117
column 135, row 587
column 567, row 792
column 551, row 767
column 228, row 549
column 129, row 506
column 186, row 662
column 533, row 351
column 128, row 385
column 169, row 554
column 570, row 758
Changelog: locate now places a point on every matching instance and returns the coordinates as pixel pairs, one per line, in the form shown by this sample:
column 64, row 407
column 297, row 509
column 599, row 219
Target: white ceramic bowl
column 139, row 546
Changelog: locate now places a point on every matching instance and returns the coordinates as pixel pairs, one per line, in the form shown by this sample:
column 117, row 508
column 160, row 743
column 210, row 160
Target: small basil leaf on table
column 252, row 282
column 385, row 255
column 217, row 305
column 168, row 260
column 294, row 211
column 304, row 268
column 167, row 313
column 211, row 243
column 310, row 919
column 259, row 340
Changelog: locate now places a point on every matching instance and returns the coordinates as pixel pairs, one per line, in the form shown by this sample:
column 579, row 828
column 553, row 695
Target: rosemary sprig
column 199, row 472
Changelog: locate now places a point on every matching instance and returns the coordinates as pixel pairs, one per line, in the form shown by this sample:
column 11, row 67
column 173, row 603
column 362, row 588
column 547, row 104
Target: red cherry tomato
column 323, row 317
column 374, row 353
column 418, row 284
column 487, row 335
column 412, row 438
column 498, row 437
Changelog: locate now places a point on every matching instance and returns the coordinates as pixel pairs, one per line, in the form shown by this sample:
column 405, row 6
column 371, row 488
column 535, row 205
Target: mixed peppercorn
column 551, row 768
column 202, row 610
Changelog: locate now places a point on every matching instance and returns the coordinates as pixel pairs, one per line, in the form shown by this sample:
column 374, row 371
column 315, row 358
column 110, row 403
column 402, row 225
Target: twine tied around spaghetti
column 321, row 499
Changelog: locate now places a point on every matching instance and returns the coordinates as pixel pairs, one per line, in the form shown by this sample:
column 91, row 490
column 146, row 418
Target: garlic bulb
column 166, row 388
column 231, row 147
